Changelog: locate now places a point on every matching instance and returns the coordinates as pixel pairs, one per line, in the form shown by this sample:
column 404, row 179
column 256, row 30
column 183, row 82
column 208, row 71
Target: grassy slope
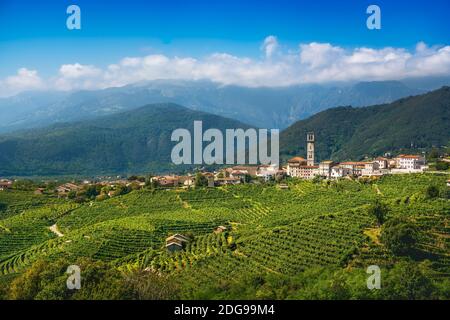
column 274, row 231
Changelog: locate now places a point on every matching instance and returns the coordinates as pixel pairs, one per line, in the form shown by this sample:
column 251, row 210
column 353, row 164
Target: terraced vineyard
column 269, row 230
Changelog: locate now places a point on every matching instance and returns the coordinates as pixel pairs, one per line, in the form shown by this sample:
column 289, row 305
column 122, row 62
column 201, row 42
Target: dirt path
column 54, row 229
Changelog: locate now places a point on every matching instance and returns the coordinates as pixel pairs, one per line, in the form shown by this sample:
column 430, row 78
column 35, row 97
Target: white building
column 325, row 169
column 371, row 169
column 355, row 166
column 268, row 172
column 382, row 162
column 340, row 172
column 410, row 162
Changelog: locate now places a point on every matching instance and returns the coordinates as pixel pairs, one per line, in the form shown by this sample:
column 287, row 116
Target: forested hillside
column 134, row 141
column 414, row 124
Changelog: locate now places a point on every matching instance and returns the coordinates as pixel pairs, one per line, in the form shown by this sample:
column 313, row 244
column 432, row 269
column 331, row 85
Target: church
column 304, row 168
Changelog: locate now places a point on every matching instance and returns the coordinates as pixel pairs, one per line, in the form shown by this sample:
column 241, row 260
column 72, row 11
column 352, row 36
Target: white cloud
column 310, row 63
column 24, row 80
column 74, row 71
column 319, row 54
column 77, row 76
column 270, row 45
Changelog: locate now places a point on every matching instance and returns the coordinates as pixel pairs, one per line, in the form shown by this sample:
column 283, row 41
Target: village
column 296, row 167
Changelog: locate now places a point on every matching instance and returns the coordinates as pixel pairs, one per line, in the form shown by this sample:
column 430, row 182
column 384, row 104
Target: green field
column 280, row 244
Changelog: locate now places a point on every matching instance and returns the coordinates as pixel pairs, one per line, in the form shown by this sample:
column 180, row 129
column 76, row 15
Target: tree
column 432, row 192
column 121, row 190
column 399, row 236
column 46, row 280
column 24, row 185
column 200, row 180
column 379, row 210
column 408, row 281
column 433, row 155
column 442, row 166
column 72, row 194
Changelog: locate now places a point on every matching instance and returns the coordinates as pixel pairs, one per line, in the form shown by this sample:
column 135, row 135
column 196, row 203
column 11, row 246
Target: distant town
column 296, row 167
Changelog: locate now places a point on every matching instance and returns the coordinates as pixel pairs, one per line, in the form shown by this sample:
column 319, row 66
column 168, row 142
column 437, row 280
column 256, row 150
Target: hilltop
column 413, row 124
column 132, row 141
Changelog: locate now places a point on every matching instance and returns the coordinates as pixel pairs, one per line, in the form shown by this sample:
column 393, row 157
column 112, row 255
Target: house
column 166, row 181
column 392, row 163
column 410, row 162
column 66, row 188
column 308, row 172
column 382, row 162
column 220, row 229
column 340, row 172
column 227, row 181
column 298, row 167
column 240, row 174
column 39, row 191
column 187, row 181
column 5, row 184
column 371, row 168
column 268, row 172
column 294, row 165
column 355, row 166
column 283, row 186
column 325, row 168
column 251, row 170
column 176, row 242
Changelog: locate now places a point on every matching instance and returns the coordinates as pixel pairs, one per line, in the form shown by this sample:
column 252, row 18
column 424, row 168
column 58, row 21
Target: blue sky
column 33, row 34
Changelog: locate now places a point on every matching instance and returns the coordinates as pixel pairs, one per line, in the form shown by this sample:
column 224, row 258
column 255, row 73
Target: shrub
column 379, row 210
column 432, row 192
column 399, row 236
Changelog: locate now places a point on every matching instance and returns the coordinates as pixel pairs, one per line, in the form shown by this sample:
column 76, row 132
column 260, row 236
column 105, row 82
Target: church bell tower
column 310, row 148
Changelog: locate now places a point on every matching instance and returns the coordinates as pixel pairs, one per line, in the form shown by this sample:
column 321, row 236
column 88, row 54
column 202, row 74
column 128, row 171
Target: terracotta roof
column 408, row 156
column 354, row 163
column 296, row 159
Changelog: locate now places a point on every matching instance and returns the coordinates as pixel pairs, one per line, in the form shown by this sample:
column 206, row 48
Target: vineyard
column 268, row 229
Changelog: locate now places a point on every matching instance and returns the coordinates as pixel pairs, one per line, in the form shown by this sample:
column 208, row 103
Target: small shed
column 39, row 191
column 176, row 242
column 220, row 229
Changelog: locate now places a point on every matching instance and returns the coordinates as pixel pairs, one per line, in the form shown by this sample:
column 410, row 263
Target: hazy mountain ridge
column 133, row 141
column 139, row 140
column 261, row 107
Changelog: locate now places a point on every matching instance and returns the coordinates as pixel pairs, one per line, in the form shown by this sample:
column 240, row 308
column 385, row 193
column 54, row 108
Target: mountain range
column 261, row 107
column 139, row 140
